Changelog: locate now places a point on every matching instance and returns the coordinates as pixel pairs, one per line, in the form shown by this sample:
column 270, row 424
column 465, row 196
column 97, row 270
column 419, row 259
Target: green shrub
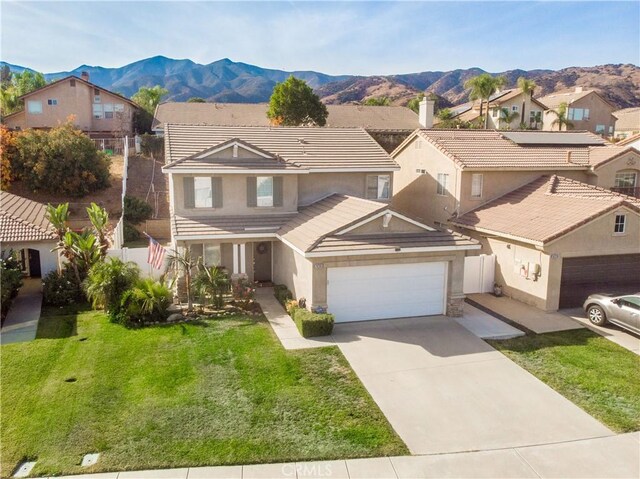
column 61, row 160
column 147, row 301
column 130, row 233
column 282, row 294
column 136, row 210
column 108, row 280
column 152, row 145
column 62, row 289
column 312, row 324
column 10, row 281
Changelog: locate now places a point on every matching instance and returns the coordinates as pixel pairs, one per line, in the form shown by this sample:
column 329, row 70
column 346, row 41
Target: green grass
column 593, row 372
column 217, row 392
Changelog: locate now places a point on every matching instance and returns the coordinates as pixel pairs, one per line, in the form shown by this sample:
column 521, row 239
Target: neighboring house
column 557, row 240
column 627, row 123
column 25, row 230
column 446, row 174
column 587, row 110
column 633, row 141
column 389, row 125
column 309, row 208
column 513, row 101
column 96, row 111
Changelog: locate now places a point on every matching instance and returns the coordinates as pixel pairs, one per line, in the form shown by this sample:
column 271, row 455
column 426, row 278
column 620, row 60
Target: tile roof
column 598, row 156
column 306, row 147
column 228, row 225
column 490, row 149
column 545, row 209
column 555, row 99
column 22, row 219
column 255, row 114
column 629, row 140
column 628, row 119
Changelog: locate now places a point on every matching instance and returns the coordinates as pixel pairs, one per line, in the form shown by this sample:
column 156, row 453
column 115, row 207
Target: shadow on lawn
column 60, row 322
column 533, row 342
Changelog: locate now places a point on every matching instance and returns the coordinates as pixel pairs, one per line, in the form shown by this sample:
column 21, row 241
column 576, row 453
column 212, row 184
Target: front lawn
column 216, row 392
column 593, row 372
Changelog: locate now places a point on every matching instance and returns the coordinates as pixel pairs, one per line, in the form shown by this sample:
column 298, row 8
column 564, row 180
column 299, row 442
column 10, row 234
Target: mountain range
column 228, row 81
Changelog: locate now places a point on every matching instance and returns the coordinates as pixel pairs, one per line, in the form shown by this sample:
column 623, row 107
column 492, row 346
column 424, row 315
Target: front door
column 34, row 263
column 262, row 261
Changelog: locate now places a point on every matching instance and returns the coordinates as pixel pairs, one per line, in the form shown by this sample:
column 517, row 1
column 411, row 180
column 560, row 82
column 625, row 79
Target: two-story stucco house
column 96, row 111
column 522, row 109
column 309, row 208
column 586, row 110
column 575, row 234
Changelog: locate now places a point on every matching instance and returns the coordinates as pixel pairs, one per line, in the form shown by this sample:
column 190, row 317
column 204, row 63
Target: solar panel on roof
column 552, row 138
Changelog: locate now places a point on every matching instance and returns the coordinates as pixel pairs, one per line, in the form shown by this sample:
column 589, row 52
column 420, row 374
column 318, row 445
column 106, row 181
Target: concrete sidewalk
column 22, row 319
column 610, row 457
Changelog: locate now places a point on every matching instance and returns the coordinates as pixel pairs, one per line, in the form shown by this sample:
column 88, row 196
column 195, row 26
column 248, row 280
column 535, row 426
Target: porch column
column 243, row 258
column 239, row 258
column 236, row 259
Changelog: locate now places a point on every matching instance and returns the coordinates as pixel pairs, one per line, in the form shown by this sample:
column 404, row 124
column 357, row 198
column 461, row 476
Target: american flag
column 156, row 254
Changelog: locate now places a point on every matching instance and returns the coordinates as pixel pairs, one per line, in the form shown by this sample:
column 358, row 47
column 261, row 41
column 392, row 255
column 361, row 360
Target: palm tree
column 561, row 117
column 212, row 281
column 507, row 116
column 482, row 87
column 100, row 220
column 107, row 282
column 58, row 217
column 149, row 98
column 527, row 87
column 185, row 262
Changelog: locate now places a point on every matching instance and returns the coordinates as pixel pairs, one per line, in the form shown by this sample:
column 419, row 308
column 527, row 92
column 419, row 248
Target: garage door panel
column 386, row 291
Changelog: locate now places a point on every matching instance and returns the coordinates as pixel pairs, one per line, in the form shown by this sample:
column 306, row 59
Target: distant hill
column 228, row 81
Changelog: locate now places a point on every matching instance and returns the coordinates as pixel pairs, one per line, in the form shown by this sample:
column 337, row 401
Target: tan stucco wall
column 16, row 121
column 76, row 101
column 234, row 194
column 396, row 225
column 293, row 270
column 415, row 193
column 606, row 174
column 600, row 113
column 315, row 186
column 515, row 124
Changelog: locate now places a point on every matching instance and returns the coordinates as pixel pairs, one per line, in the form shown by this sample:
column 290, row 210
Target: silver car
column 621, row 310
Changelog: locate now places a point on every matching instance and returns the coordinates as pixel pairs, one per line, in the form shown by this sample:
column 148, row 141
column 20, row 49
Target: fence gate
column 479, row 273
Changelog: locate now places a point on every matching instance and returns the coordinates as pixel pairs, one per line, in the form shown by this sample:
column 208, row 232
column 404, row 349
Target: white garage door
column 361, row 293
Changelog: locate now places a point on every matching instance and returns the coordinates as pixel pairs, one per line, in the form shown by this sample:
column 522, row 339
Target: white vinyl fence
column 118, row 232
column 479, row 274
column 139, row 256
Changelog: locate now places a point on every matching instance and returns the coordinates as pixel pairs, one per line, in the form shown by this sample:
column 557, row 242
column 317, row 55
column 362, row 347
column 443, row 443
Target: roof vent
column 568, row 157
column 302, row 141
column 386, row 219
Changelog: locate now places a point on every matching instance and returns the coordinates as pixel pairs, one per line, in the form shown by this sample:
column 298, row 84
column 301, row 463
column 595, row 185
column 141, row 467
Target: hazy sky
column 332, row 37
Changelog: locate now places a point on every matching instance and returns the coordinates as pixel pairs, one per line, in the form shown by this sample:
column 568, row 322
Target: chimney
column 578, row 89
column 425, row 113
column 84, row 75
column 568, row 157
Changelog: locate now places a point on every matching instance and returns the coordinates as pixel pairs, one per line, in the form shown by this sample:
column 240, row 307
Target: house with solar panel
column 558, row 210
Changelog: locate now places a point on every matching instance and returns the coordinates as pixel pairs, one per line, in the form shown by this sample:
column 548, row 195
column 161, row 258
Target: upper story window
column 264, row 191
column 476, row 185
column 118, row 107
column 626, row 179
column 495, row 112
column 96, row 96
column 202, row 192
column 34, row 107
column 378, row 187
column 514, row 107
column 52, row 101
column 578, row 114
column 443, row 179
column 97, row 111
column 620, row 224
column 108, row 110
column 600, row 129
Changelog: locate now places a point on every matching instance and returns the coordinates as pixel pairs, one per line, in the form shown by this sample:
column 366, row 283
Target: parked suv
column 621, row 310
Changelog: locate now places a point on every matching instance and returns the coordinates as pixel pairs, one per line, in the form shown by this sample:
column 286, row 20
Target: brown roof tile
column 22, row 219
column 628, row 119
column 545, row 209
column 307, row 147
column 213, row 226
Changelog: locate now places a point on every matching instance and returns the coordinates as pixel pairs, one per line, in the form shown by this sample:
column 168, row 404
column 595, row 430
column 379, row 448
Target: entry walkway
column 22, row 319
column 609, row 457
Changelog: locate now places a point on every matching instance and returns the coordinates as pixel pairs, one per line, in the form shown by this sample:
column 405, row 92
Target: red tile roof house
column 25, row 230
column 541, row 202
column 309, row 208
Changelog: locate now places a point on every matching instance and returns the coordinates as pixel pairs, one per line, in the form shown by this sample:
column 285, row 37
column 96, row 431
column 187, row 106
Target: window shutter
column 277, row 191
column 216, row 191
column 252, row 194
column 189, row 192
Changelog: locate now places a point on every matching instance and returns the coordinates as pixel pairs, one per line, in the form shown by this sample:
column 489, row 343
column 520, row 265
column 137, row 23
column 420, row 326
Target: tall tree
column 482, row 87
column 377, row 101
column 414, row 103
column 562, row 120
column 293, row 103
column 527, row 87
column 149, row 98
column 196, row 99
column 507, row 116
column 14, row 85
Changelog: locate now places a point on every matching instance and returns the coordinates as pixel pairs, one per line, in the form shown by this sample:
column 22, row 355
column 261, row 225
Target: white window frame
column 443, row 179
column 264, row 200
column 477, row 180
column 620, row 224
column 108, row 108
column 495, row 112
column 52, row 101
column 600, row 128
column 381, row 182
column 209, row 252
column 585, row 114
column 98, row 114
column 33, row 103
column 622, row 179
column 203, row 200
column 118, row 107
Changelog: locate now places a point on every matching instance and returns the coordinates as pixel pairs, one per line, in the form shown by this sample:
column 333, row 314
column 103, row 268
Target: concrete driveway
column 444, row 389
